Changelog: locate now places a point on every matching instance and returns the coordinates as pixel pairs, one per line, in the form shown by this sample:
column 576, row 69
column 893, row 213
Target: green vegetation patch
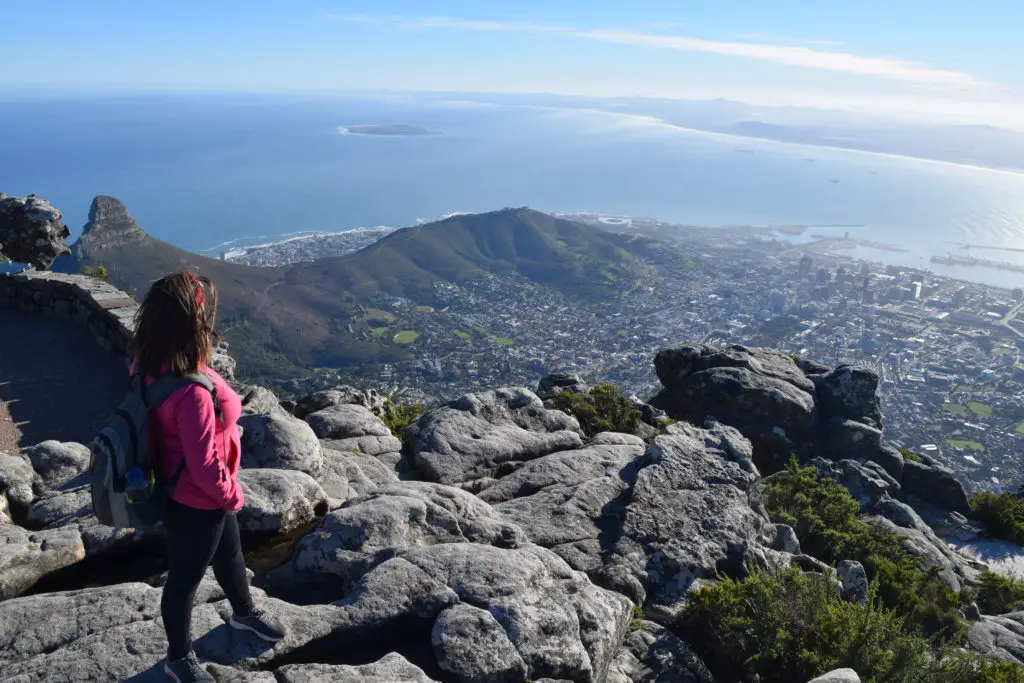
column 407, row 337
column 397, row 416
column 461, row 334
column 960, row 443
column 781, row 627
column 955, row 409
column 378, row 314
column 423, row 309
column 504, row 341
column 1019, row 428
column 379, row 331
column 999, row 594
column 825, row 518
column 1001, row 514
column 983, row 389
column 604, row 409
column 479, row 330
column 980, row 409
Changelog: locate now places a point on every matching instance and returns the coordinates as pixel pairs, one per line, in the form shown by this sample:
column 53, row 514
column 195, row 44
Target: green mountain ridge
column 304, row 315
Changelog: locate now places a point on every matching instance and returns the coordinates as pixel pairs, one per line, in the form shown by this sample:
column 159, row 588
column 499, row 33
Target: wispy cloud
column 802, row 56
column 769, row 38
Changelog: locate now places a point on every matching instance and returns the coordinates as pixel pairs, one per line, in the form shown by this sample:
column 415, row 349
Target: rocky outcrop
column 935, row 485
column 838, row 676
column 278, row 502
column 557, row 382
column 31, row 230
column 653, row 654
column 26, row 557
column 57, row 463
column 343, row 395
column 18, row 483
column 109, row 226
column 999, row 637
column 472, row 436
column 854, row 579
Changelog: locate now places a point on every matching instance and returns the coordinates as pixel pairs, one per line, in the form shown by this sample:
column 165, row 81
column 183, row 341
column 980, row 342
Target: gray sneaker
column 267, row 627
column 187, row 670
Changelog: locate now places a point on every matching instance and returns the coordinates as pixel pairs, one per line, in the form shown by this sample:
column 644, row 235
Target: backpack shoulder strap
column 167, row 383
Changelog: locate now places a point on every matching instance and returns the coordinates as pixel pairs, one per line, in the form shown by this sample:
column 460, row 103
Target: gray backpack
column 124, row 470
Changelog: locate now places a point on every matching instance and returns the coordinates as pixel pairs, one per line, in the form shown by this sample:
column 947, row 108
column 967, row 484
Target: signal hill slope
column 313, row 314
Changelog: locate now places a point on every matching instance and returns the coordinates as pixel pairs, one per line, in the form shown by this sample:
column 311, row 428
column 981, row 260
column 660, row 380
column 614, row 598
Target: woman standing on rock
column 196, row 434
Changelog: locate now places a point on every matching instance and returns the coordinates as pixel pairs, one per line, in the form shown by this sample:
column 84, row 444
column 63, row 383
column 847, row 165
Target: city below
column 947, row 350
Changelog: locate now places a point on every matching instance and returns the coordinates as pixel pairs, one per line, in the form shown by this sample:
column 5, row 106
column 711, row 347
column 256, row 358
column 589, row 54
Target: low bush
column 99, row 272
column 1002, row 515
column 397, row 416
column 999, row 594
column 603, row 409
column 781, row 627
column 909, row 455
column 825, row 518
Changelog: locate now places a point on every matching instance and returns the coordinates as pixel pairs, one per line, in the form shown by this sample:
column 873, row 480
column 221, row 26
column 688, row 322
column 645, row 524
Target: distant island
column 385, row 130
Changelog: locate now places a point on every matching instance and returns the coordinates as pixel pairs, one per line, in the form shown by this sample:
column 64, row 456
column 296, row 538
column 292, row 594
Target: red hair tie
column 200, row 294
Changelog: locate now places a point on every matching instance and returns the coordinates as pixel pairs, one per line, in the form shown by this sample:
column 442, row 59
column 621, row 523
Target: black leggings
column 195, row 540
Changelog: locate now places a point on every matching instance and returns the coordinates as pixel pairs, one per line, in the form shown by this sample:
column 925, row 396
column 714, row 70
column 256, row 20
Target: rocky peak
column 109, row 226
column 31, row 230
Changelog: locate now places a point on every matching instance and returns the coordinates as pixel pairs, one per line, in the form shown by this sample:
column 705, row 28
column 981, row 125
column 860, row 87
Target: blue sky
column 938, row 59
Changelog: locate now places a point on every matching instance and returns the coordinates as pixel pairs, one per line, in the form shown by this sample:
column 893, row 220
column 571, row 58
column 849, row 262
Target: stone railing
column 103, row 309
column 106, row 311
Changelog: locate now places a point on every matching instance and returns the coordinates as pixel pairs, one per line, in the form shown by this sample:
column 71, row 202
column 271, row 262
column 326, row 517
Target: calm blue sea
column 204, row 171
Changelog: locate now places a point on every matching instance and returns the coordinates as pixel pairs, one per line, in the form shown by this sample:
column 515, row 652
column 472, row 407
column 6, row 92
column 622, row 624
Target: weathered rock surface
column 854, row 579
column 759, row 392
column 343, row 395
column 555, row 383
column 259, row 401
column 392, row 668
column 838, row 676
column 694, row 513
column 1000, row 637
column 850, row 393
column 31, row 230
column 470, row 437
column 653, row 654
column 935, row 485
column 28, row 556
column 278, row 502
column 471, row 644
column 346, row 421
column 842, row 439
column 280, row 441
column 57, row 463
column 867, row 482
column 382, row 524
column 375, row 446
column 18, row 482
column 346, row 475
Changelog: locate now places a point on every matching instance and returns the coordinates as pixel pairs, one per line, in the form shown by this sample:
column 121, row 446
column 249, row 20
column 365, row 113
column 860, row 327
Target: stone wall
column 106, row 311
column 103, row 309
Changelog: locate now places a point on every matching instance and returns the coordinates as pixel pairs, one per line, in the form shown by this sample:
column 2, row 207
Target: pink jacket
column 186, row 427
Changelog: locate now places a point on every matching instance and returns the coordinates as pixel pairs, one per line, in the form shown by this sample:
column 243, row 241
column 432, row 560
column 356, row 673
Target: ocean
column 208, row 173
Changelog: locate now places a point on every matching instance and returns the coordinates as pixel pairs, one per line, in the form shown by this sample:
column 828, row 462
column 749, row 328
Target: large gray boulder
column 279, row 440
column 917, row 538
column 867, row 482
column 653, row 654
column 999, row 637
column 278, row 502
column 470, row 437
column 935, row 485
column 346, row 421
column 347, row 475
column 19, row 483
column 470, row 644
column 560, row 499
column 390, row 520
column 375, row 446
column 57, row 463
column 26, row 557
column 31, row 230
column 392, row 668
column 556, row 382
column 838, row 676
column 842, row 439
column 694, row 513
column 854, row 579
column 343, row 395
column 114, row 633
column 760, row 393
column 850, row 393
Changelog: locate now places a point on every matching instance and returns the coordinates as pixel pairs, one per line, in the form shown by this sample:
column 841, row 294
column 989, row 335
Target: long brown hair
column 175, row 325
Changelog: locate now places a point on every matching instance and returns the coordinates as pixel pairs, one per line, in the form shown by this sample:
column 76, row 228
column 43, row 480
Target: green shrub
column 999, row 594
column 908, row 455
column 780, row 627
column 638, row 617
column 397, row 416
column 1001, row 514
column 99, row 272
column 4, row 259
column 604, row 409
column 824, row 516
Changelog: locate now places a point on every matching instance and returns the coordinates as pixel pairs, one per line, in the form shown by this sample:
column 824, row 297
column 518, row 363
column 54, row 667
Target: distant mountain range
column 307, row 314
